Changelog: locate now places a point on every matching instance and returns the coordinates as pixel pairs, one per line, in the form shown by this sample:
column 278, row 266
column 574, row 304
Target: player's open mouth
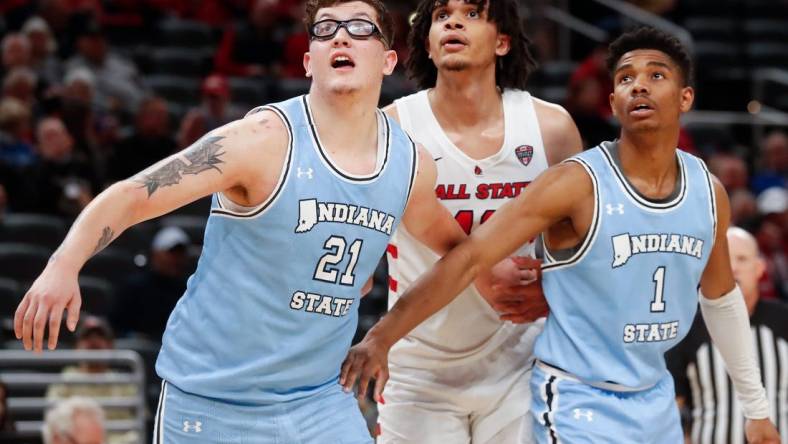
column 641, row 108
column 453, row 43
column 340, row 61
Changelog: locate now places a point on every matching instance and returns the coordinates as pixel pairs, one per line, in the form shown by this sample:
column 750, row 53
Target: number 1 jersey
column 629, row 292
column 271, row 310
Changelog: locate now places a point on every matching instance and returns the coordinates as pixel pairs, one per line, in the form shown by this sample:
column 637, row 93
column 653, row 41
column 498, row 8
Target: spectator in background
column 772, row 237
column 583, row 105
column 214, row 111
column 696, row 366
column 95, row 334
column 253, row 47
column 78, row 420
column 150, row 142
column 6, row 424
column 593, row 77
column 78, row 107
column 117, row 83
column 773, row 171
column 162, row 284
column 63, row 181
column 15, row 148
column 730, row 169
column 15, row 51
column 20, row 83
column 744, row 208
column 43, row 48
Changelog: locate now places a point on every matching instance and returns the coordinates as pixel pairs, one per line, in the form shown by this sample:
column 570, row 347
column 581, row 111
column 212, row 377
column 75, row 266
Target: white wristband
column 728, row 323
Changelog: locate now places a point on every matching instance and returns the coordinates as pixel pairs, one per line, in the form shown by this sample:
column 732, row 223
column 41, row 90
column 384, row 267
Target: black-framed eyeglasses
column 357, row 28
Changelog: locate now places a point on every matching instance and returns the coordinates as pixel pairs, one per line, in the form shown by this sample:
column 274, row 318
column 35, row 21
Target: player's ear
column 503, row 44
column 390, row 62
column 610, row 98
column 687, row 98
column 308, row 64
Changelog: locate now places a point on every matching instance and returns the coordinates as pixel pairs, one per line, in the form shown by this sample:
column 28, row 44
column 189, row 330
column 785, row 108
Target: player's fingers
column 39, row 326
column 526, row 262
column 19, row 316
column 380, row 383
column 27, row 324
column 363, row 382
column 344, row 374
column 74, row 305
column 353, row 375
column 54, row 325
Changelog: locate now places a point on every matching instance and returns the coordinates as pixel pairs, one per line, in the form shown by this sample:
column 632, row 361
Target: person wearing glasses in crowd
column 306, row 194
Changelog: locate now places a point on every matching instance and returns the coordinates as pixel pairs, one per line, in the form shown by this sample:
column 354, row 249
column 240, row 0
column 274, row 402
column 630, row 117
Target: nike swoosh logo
column 438, row 158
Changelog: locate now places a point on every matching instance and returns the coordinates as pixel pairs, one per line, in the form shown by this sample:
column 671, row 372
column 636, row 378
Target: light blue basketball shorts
column 565, row 410
column 329, row 417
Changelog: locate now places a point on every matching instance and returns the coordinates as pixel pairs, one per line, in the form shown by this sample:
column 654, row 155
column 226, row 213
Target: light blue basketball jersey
column 271, row 310
column 629, row 293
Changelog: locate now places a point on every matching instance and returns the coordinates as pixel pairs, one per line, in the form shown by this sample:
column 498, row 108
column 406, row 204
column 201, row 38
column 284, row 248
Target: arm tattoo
column 106, row 238
column 203, row 156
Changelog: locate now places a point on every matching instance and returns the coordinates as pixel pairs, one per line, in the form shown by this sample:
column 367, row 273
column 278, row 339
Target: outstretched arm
column 218, row 162
column 543, row 203
column 725, row 314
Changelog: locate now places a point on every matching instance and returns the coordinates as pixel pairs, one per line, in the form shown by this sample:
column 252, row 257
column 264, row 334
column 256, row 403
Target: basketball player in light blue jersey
column 632, row 229
column 306, row 194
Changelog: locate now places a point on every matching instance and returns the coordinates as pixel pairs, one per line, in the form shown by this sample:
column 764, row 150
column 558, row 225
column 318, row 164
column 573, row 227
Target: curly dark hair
column 650, row 38
column 511, row 70
column 384, row 18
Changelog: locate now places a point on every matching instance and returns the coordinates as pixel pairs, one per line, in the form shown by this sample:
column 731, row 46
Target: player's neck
column 472, row 92
column 346, row 123
column 649, row 158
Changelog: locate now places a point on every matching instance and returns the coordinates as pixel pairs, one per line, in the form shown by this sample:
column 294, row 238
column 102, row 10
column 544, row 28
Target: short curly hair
column 650, row 38
column 511, row 71
column 385, row 20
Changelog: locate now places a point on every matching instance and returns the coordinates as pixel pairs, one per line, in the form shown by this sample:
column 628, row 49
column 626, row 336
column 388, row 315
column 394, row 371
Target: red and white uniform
column 463, row 358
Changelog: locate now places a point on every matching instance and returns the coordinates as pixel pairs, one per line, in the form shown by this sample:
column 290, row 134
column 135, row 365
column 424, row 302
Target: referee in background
column 703, row 389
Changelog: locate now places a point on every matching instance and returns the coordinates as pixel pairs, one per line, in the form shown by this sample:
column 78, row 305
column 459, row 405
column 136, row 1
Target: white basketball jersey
column 468, row 328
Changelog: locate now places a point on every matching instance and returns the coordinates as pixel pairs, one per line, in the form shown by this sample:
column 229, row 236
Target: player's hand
column 55, row 290
column 761, row 431
column 366, row 360
column 513, row 288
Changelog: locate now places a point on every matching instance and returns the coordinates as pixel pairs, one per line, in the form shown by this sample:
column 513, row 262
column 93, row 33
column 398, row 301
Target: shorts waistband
column 610, row 386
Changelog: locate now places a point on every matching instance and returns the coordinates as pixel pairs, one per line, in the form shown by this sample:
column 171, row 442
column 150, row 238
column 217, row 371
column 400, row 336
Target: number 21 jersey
column 273, row 306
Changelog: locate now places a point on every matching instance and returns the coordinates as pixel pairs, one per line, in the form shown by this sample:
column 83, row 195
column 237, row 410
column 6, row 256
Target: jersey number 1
column 658, row 304
column 326, row 268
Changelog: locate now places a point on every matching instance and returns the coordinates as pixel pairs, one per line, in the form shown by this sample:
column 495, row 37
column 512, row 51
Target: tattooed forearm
column 106, row 238
column 202, row 156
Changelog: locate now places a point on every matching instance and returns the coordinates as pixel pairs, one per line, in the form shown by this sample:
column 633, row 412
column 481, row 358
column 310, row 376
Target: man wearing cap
column 161, row 284
column 94, row 333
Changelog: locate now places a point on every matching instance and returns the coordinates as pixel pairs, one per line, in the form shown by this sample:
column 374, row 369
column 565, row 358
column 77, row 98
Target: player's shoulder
column 552, row 114
column 260, row 132
column 393, row 109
